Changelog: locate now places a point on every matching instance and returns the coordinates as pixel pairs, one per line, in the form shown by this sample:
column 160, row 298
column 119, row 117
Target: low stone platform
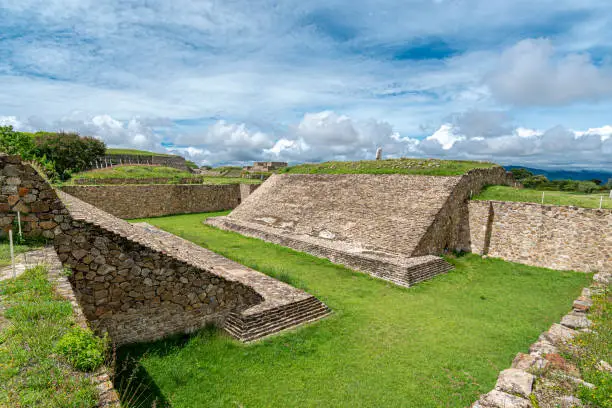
column 401, row 270
column 169, row 284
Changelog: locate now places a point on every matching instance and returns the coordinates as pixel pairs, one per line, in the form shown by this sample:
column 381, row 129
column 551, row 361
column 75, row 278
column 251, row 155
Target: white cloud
column 529, row 73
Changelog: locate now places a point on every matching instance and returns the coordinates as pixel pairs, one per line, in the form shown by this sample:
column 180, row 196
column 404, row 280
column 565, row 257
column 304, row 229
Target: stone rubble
column 517, row 385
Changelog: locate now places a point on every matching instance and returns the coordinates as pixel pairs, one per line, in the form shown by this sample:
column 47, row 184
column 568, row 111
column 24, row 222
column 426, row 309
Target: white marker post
column 12, row 253
column 19, row 224
column 542, row 198
column 600, row 201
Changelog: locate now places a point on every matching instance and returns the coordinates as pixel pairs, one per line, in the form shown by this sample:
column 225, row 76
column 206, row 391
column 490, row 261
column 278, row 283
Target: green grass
column 135, row 152
column 31, row 374
column 140, row 172
column 429, row 167
column 525, row 195
column 438, row 344
column 5, row 251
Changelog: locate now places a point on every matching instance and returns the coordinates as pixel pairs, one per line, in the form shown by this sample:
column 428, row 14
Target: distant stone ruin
column 390, row 226
column 177, row 162
column 265, row 166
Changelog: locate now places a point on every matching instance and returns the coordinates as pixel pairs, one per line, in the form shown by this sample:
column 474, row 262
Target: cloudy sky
column 517, row 82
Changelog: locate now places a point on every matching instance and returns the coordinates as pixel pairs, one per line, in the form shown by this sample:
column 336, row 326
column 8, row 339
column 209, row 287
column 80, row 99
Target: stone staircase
column 252, row 327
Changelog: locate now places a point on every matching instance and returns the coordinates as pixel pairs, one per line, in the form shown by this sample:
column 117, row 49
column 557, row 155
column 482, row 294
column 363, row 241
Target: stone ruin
column 390, row 226
column 139, row 283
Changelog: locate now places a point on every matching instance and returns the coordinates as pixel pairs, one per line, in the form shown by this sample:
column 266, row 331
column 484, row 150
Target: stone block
column 499, row 399
column 515, row 381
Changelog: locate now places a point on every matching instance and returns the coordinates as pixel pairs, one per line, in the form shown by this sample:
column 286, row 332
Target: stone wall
column 566, row 238
column 177, row 162
column 141, row 201
column 136, row 293
column 140, row 284
column 449, row 230
column 23, row 190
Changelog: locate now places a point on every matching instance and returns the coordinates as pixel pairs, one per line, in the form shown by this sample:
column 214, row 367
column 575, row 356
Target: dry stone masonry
column 567, row 238
column 387, row 225
column 141, row 201
column 178, row 162
column 141, row 284
column 526, row 380
column 25, row 192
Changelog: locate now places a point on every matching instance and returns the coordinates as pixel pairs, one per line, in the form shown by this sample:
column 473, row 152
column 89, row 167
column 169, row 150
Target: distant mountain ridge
column 568, row 174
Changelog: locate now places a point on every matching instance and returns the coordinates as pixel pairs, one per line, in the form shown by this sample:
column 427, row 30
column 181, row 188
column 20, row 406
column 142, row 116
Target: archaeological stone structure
column 138, row 283
column 177, row 162
column 390, row 226
column 557, row 237
column 154, row 200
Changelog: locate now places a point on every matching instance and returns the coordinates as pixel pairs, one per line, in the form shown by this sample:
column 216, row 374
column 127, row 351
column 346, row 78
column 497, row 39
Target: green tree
column 521, row 173
column 13, row 142
column 68, row 151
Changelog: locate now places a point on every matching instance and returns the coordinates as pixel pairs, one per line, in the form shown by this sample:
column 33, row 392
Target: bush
column 83, row 350
column 68, row 151
column 587, row 187
column 520, row 174
column 13, row 142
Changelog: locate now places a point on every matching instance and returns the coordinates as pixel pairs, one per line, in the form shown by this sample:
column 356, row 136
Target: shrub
column 587, row 187
column 13, row 142
column 83, row 350
column 68, row 151
column 520, row 174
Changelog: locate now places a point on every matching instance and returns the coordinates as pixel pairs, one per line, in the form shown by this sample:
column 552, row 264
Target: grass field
column 139, row 172
column 525, row 195
column 134, row 152
column 430, row 167
column 438, row 344
column 5, row 252
column 32, row 373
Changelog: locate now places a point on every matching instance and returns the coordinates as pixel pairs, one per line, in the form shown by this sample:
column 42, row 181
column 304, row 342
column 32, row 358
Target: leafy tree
column 535, row 182
column 587, row 187
column 520, row 174
column 13, row 142
column 68, row 151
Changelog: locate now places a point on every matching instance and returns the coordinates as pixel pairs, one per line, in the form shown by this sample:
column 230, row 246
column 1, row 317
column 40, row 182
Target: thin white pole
column 600, row 201
column 542, row 198
column 12, row 253
column 19, row 224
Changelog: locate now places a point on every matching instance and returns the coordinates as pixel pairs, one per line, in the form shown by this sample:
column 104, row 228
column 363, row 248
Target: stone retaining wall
column 177, row 162
column 141, row 201
column 567, row 238
column 23, row 190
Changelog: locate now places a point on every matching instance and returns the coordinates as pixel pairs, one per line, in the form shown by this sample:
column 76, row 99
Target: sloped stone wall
column 138, row 294
column 141, row 201
column 557, row 237
column 177, row 162
column 23, row 190
column 449, row 230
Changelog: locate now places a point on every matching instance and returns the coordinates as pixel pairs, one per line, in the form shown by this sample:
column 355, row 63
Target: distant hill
column 568, row 174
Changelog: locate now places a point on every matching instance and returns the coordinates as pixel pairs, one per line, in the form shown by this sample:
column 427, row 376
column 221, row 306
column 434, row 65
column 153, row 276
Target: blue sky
column 522, row 82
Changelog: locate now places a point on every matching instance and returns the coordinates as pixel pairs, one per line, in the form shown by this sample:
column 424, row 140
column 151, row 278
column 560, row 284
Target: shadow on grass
column 135, row 386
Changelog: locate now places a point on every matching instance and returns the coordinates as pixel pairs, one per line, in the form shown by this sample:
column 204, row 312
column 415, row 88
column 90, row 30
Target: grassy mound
column 143, row 172
column 438, row 344
column 427, row 167
column 525, row 195
column 135, row 152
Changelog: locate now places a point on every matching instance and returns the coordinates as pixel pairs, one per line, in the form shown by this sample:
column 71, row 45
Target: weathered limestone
column 142, row 284
column 141, row 201
column 386, row 225
column 566, row 238
column 515, row 381
column 499, row 399
column 23, row 190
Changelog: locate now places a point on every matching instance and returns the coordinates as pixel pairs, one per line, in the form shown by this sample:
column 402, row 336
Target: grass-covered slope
column 134, row 152
column 438, row 344
column 525, row 195
column 142, row 171
column 429, row 167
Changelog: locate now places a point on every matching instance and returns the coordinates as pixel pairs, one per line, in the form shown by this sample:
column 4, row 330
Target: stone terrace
column 247, row 303
column 371, row 223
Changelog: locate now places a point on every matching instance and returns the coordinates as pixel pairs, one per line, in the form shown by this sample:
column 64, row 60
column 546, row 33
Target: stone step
column 266, row 325
column 281, row 311
column 248, row 327
column 274, row 327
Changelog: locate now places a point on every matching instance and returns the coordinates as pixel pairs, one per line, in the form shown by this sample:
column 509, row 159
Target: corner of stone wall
column 450, row 229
